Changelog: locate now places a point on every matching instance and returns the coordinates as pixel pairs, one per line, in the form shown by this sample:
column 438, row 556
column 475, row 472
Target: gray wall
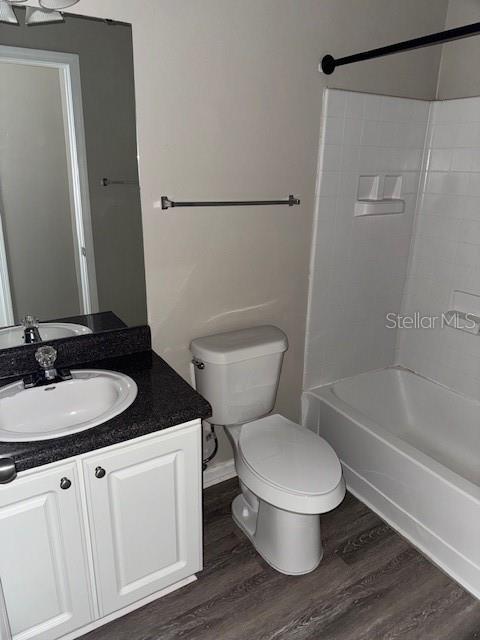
column 35, row 200
column 229, row 101
column 460, row 69
column 106, row 67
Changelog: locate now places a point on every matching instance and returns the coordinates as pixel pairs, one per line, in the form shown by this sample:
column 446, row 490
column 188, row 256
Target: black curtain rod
column 329, row 63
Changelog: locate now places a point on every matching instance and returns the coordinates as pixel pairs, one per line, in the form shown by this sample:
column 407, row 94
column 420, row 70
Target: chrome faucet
column 46, row 357
column 31, row 334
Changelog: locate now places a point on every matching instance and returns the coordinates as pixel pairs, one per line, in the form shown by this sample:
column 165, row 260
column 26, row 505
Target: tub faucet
column 31, row 334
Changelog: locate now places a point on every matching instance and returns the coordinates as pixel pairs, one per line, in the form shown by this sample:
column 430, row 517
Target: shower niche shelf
column 464, row 313
column 379, row 195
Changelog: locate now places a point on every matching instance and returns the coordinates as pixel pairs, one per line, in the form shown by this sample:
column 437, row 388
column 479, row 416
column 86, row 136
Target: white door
column 43, row 568
column 145, row 516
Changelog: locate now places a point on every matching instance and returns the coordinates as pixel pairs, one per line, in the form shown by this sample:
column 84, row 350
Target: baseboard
column 219, row 472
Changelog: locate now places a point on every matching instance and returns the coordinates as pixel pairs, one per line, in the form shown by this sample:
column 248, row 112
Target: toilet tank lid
column 235, row 346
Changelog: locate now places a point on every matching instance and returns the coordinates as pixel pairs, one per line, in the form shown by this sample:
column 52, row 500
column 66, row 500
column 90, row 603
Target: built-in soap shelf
column 379, row 195
column 465, row 312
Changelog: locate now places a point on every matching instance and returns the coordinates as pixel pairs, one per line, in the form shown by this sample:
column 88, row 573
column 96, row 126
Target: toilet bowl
column 288, row 474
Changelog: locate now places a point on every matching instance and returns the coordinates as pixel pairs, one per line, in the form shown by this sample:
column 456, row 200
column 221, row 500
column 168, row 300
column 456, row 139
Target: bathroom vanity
column 101, row 522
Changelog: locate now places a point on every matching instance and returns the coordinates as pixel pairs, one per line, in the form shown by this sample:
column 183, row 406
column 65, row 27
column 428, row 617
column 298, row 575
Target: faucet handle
column 46, row 356
column 29, row 322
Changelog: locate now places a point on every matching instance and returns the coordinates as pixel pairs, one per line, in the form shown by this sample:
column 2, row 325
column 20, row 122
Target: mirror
column 71, row 242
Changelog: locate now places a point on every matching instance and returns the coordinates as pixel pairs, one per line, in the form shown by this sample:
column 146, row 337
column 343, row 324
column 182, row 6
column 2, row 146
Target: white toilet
column 288, row 474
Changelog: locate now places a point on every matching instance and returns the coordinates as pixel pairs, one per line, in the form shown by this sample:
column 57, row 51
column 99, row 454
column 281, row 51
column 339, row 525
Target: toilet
column 288, row 474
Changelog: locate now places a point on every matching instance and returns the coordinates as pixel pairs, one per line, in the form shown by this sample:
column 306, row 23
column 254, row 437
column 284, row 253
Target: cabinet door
column 43, row 566
column 145, row 516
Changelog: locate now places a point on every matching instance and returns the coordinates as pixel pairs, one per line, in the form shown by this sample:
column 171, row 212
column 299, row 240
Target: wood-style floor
column 371, row 585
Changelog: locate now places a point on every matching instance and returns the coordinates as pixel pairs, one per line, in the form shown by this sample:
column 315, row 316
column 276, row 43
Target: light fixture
column 48, row 11
column 36, row 15
column 56, row 5
column 7, row 14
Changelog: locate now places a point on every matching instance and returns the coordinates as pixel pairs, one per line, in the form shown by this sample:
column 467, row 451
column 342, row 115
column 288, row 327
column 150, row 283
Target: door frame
column 7, row 317
column 68, row 65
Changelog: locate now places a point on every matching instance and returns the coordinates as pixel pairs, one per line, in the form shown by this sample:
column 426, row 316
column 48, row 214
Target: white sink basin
column 53, row 411
column 13, row 336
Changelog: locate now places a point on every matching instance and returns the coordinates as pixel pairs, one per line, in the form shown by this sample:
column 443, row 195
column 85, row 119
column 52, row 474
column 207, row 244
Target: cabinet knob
column 100, row 472
column 65, row 483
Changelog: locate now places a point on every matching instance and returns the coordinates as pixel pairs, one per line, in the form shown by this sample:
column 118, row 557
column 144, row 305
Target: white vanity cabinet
column 144, row 510
column 43, row 563
column 89, row 539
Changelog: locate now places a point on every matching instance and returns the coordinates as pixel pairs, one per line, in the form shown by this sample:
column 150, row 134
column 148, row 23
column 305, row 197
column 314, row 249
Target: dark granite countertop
column 164, row 399
column 103, row 321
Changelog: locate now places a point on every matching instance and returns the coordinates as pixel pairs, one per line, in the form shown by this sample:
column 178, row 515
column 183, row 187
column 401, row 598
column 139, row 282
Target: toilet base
column 289, row 542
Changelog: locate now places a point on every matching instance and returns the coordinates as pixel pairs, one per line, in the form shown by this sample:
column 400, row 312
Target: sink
column 13, row 336
column 60, row 409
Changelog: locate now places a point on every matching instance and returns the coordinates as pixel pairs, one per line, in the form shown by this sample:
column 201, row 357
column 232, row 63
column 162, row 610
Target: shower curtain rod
column 329, row 63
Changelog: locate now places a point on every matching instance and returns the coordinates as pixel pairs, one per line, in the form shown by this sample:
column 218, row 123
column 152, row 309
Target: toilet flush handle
column 198, row 364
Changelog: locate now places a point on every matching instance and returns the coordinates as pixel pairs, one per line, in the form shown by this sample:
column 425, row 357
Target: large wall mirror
column 71, row 242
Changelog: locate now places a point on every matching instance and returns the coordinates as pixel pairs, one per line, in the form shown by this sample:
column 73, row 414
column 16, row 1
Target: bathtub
column 410, row 450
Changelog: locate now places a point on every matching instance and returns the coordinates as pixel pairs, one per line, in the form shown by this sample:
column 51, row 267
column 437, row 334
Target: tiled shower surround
column 359, row 265
column 446, row 248
column 366, row 267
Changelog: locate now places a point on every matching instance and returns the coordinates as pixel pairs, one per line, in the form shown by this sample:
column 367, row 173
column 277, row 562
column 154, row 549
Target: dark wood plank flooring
column 371, row 585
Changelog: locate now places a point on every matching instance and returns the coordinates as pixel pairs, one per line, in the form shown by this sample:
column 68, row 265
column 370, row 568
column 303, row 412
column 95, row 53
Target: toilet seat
column 289, row 466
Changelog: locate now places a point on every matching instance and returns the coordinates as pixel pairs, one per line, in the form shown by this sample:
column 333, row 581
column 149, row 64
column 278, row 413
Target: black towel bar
column 170, row 204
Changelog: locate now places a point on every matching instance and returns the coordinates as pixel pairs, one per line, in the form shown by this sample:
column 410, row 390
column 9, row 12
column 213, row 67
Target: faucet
column 31, row 334
column 46, row 357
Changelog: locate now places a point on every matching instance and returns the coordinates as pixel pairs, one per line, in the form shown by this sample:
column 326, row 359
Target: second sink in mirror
column 14, row 336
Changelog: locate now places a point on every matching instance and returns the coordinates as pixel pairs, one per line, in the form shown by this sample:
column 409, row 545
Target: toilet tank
column 238, row 372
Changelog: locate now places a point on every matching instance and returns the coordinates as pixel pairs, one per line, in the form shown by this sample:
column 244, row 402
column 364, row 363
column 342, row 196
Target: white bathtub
column 410, row 450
